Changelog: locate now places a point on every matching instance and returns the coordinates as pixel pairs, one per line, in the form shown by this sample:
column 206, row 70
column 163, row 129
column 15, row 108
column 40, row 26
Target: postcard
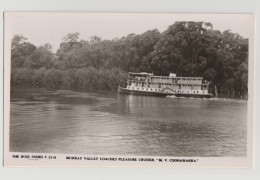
column 128, row 89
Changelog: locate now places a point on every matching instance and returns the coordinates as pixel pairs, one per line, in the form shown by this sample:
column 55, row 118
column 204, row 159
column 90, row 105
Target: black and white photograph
column 148, row 89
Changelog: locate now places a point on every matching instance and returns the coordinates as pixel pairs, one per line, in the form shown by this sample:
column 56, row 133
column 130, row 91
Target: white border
column 198, row 6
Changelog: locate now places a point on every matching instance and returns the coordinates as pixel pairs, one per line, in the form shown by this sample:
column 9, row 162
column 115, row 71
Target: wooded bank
column 185, row 48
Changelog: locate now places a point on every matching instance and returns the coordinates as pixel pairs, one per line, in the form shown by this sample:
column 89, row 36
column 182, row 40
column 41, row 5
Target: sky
column 41, row 28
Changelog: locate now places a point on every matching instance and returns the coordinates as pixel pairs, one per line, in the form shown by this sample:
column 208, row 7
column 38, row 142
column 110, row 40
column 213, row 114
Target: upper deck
column 171, row 79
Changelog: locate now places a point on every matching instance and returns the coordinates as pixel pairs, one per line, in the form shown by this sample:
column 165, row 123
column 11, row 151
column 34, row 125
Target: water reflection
column 89, row 123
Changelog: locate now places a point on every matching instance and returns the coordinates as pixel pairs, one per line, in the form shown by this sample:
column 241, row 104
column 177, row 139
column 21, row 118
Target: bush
column 53, row 79
column 89, row 79
column 38, row 78
column 22, row 77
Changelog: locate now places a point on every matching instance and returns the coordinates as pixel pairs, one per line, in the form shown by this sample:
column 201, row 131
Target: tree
column 20, row 51
column 41, row 57
column 17, row 41
column 67, row 44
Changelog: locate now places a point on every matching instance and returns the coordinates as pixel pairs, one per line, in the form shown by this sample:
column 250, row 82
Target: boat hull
column 136, row 92
column 163, row 94
column 194, row 95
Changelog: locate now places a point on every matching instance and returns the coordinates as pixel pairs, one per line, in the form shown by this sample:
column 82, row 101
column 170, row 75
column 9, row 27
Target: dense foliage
column 185, row 48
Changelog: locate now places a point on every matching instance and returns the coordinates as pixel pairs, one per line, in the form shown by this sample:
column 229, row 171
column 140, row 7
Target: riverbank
column 109, row 92
column 89, row 79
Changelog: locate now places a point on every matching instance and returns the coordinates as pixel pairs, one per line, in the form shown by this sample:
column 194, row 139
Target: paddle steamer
column 148, row 84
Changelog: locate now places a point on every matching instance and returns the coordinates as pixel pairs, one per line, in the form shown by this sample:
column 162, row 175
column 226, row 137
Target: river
column 74, row 122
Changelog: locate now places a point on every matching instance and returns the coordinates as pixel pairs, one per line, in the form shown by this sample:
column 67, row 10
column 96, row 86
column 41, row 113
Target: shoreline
column 107, row 92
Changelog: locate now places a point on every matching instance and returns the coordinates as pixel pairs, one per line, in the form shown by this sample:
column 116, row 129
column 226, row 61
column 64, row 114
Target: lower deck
column 162, row 93
column 168, row 89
